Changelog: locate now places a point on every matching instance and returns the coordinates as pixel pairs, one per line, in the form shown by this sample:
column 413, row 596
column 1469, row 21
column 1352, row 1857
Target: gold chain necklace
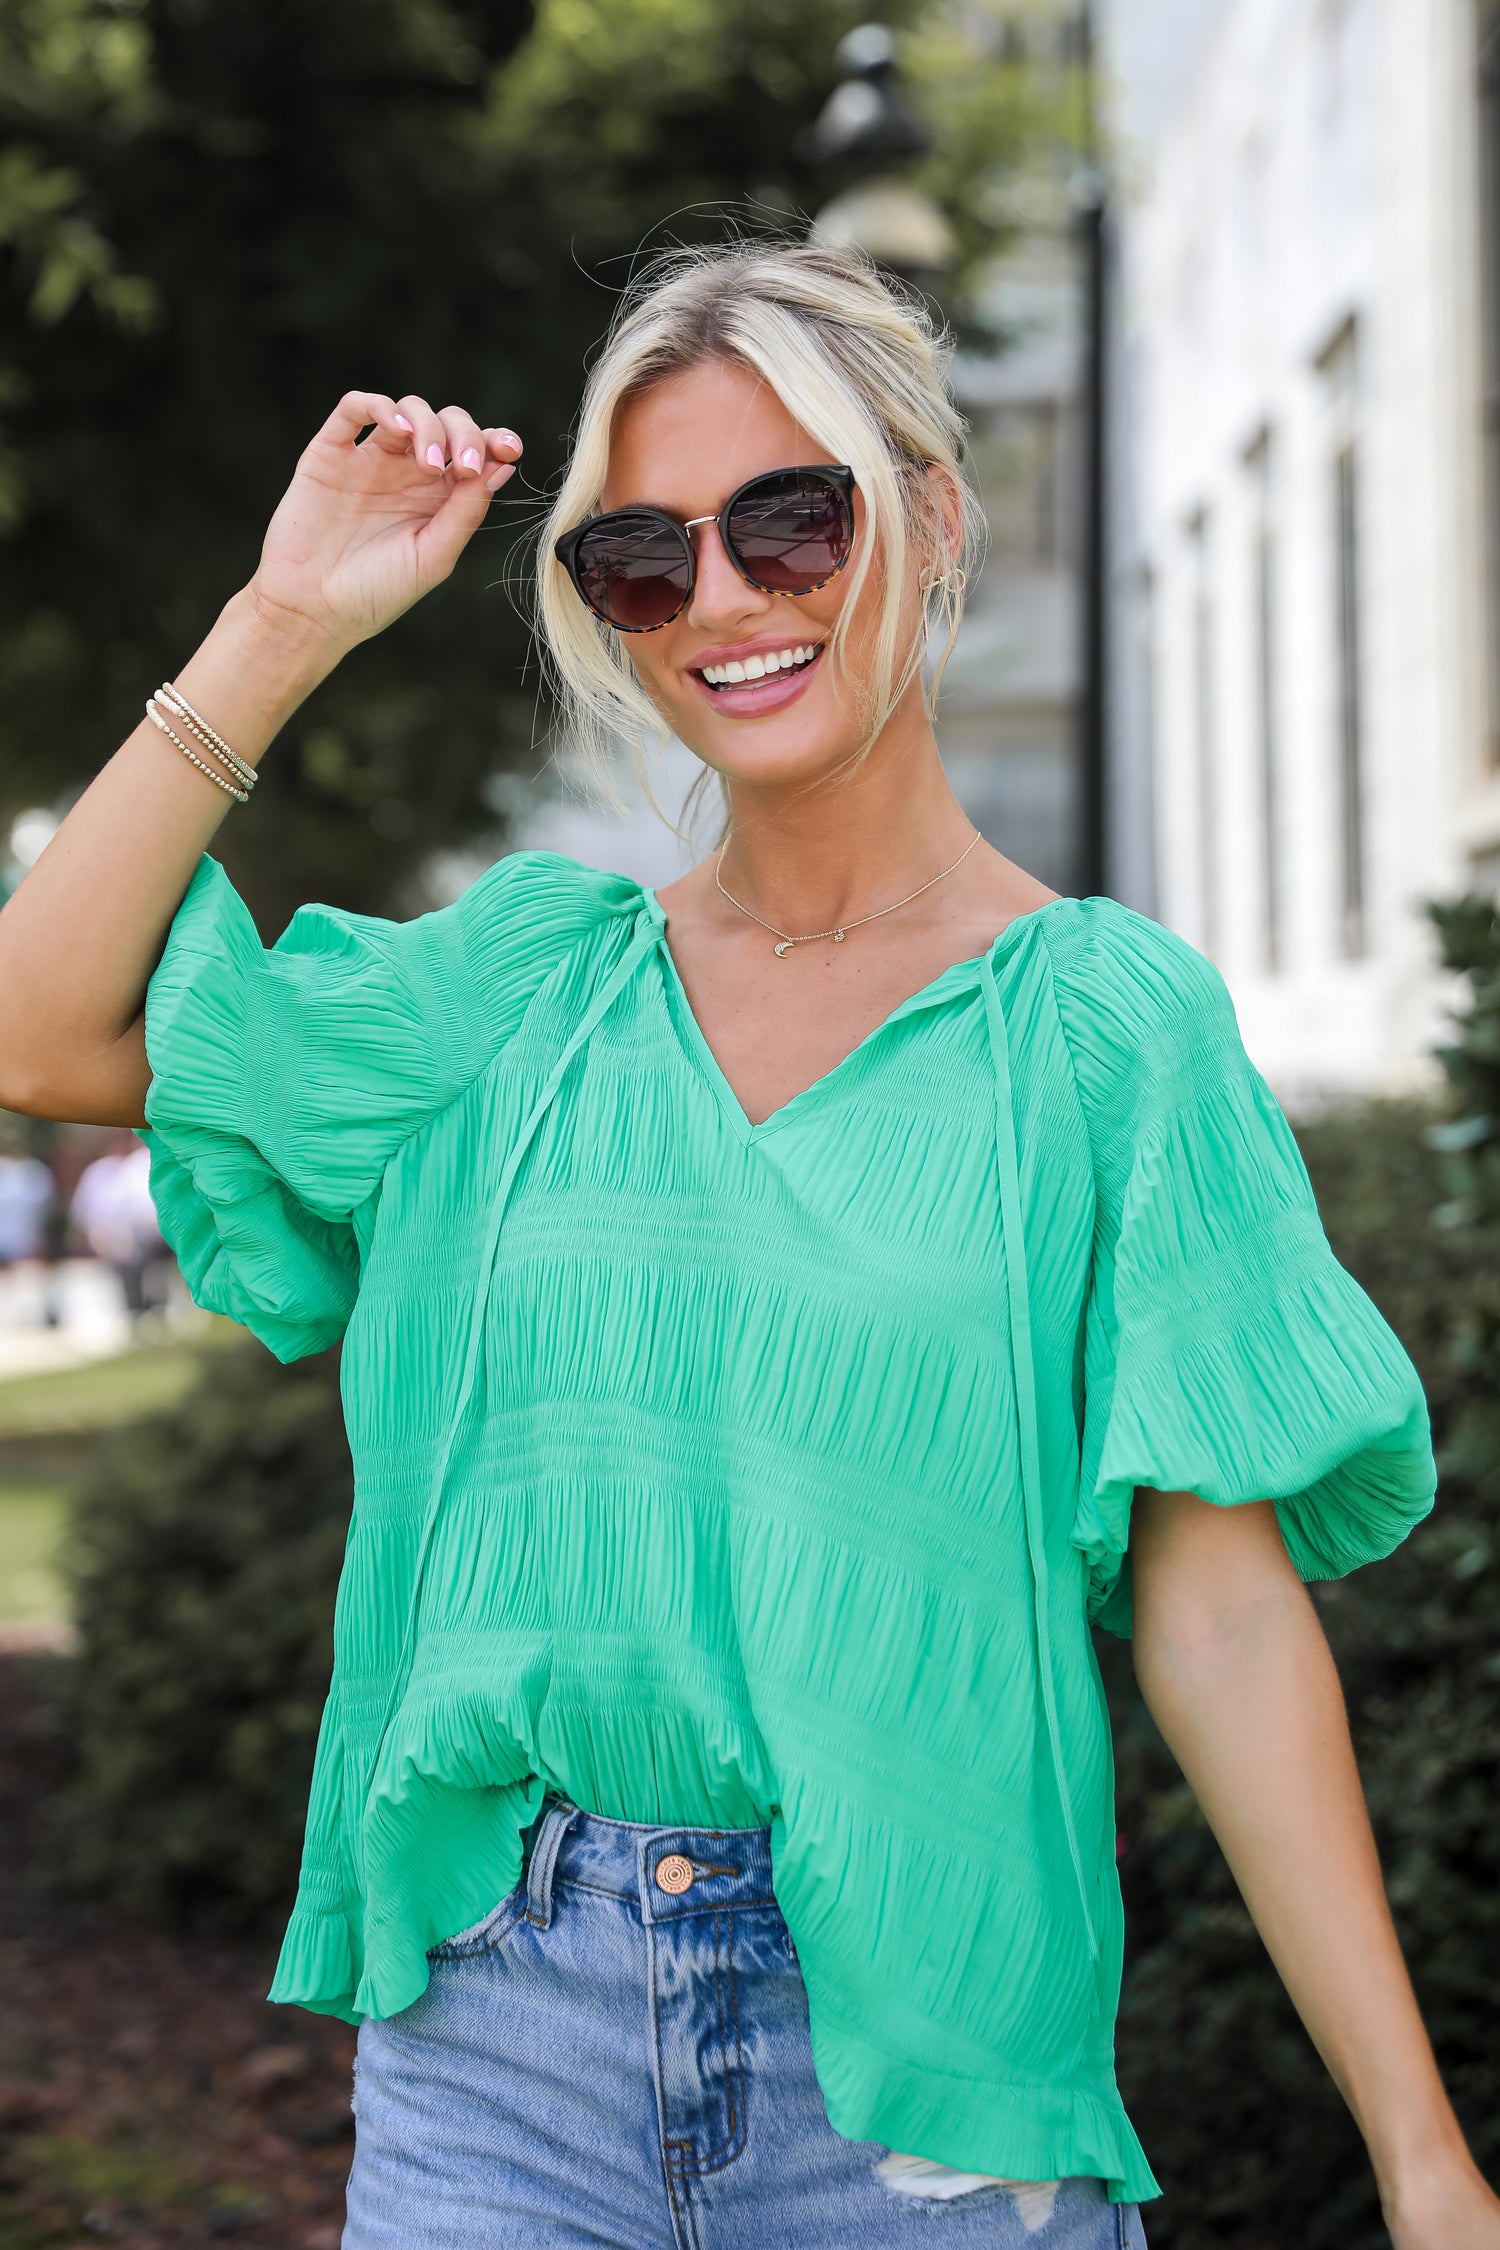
column 837, row 935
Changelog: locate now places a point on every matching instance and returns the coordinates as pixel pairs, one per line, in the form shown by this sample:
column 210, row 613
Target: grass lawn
column 32, row 1520
column 79, row 1401
column 48, row 1425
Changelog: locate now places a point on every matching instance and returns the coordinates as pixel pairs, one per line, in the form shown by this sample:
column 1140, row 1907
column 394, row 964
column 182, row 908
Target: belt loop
column 559, row 1819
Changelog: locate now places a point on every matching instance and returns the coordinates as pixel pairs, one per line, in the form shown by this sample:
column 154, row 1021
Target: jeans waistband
column 667, row 1871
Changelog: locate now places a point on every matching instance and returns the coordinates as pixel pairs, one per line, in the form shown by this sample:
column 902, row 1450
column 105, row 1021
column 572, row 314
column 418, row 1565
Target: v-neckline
column 692, row 1032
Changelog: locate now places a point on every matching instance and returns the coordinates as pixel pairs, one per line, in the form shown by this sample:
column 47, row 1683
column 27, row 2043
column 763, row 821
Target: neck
column 807, row 856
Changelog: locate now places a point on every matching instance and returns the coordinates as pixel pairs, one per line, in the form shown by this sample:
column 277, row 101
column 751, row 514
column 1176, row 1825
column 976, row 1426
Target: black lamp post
column 869, row 130
column 1093, row 724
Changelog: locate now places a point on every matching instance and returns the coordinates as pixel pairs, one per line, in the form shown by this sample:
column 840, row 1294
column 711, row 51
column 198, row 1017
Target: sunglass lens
column 791, row 531
column 634, row 571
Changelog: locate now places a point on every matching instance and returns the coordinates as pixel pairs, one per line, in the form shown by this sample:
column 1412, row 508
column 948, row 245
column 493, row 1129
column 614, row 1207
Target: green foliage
column 1248, row 2135
column 1469, row 1146
column 218, row 215
column 295, row 199
column 1009, row 103
column 204, row 1555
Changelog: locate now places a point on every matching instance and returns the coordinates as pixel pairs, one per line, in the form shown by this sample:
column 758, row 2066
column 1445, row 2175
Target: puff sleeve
column 1226, row 1350
column 284, row 1080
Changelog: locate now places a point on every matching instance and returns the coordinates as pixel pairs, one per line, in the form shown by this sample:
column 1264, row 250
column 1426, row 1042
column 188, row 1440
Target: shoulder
column 517, row 922
column 450, row 985
column 526, row 910
column 550, row 882
column 1144, row 1013
column 1122, row 977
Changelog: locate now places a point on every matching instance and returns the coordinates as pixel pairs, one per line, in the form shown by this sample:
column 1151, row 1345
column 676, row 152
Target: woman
column 780, row 1309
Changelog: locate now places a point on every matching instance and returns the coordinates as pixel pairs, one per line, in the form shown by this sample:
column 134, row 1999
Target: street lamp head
column 868, row 120
column 892, row 222
column 868, row 47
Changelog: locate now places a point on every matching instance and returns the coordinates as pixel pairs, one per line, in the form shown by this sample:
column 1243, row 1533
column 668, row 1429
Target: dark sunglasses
column 787, row 532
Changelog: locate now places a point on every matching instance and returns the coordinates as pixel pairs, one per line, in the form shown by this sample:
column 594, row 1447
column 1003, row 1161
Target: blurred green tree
column 216, row 215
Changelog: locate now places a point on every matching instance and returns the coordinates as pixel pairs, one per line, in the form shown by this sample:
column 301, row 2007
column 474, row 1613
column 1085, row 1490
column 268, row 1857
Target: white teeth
column 760, row 667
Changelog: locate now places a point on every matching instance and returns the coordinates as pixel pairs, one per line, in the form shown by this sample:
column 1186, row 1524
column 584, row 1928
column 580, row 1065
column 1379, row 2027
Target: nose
column 721, row 597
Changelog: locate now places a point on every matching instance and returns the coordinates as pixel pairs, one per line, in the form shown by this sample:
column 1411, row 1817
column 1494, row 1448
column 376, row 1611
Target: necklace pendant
column 838, row 937
column 784, row 948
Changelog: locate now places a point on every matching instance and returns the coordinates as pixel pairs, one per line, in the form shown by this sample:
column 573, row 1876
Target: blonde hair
column 863, row 369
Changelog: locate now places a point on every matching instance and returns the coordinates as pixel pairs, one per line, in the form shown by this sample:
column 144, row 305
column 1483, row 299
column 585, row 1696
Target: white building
column 1304, row 564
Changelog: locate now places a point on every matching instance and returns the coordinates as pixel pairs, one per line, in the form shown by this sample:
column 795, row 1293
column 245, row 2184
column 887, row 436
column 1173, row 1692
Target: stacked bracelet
column 171, row 699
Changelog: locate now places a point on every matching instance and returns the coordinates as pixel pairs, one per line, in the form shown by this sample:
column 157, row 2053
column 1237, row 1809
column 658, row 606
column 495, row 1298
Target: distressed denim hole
column 930, row 2182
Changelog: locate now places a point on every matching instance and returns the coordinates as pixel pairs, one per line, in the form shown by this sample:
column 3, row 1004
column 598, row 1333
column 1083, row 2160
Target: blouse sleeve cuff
column 247, row 1247
column 1291, row 1389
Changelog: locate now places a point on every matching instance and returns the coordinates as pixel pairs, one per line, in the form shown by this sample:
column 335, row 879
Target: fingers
column 443, row 539
column 452, row 443
column 355, row 411
column 502, row 450
column 464, row 441
column 448, row 445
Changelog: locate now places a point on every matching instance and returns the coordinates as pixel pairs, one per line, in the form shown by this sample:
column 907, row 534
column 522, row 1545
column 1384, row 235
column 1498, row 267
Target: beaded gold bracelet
column 171, row 699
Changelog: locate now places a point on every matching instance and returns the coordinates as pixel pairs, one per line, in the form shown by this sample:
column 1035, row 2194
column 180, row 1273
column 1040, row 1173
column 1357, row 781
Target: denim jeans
column 618, row 2057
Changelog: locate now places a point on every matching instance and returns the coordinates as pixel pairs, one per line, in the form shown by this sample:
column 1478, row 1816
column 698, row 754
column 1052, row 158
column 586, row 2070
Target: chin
column 763, row 755
column 790, row 748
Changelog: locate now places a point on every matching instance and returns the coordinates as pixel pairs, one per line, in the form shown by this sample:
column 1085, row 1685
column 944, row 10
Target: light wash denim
column 607, row 2065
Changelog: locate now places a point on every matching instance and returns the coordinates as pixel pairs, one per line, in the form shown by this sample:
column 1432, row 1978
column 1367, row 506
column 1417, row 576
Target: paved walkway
column 54, row 1317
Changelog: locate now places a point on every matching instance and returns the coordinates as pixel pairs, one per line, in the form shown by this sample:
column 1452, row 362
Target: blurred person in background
column 27, row 1195
column 781, row 1312
column 113, row 1211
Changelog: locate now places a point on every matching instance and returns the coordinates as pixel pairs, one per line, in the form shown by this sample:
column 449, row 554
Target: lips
column 783, row 675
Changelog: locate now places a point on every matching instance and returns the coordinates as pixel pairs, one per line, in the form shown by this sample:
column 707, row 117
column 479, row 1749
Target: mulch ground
column 148, row 2093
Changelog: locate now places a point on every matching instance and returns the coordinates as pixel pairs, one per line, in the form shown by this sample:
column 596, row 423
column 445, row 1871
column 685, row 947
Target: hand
column 368, row 526
column 1453, row 2211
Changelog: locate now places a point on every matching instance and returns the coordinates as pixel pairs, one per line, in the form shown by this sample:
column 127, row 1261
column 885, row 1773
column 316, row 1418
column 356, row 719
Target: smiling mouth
column 756, row 671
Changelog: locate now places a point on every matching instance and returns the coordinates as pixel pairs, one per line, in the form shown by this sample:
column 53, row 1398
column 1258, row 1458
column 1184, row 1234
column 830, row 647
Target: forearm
column 382, row 503
column 1247, row 1697
column 81, row 935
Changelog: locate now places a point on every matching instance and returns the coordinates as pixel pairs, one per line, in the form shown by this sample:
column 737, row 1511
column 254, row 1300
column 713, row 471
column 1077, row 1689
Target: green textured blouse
column 731, row 1474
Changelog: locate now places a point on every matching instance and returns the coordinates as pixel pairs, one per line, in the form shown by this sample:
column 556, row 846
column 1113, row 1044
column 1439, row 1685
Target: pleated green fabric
column 727, row 1474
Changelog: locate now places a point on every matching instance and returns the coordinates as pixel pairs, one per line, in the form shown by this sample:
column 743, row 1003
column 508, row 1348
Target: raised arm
column 1238, row 1675
column 367, row 526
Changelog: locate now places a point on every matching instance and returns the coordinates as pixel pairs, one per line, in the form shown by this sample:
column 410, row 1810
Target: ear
column 943, row 509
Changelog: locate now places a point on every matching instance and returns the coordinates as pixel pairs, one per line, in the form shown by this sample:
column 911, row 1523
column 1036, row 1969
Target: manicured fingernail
column 402, row 423
column 471, row 457
column 497, row 477
column 434, row 456
column 508, row 437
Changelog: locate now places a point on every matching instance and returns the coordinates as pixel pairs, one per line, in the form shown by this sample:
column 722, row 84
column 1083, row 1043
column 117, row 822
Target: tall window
column 1340, row 368
column 1261, row 464
column 1351, row 742
column 1489, row 252
column 1205, row 728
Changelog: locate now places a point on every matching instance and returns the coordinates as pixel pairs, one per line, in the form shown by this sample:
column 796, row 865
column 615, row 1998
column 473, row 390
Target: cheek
column 656, row 675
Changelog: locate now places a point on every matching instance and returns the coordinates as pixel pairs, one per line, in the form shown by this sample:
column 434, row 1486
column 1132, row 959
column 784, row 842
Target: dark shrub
column 205, row 1552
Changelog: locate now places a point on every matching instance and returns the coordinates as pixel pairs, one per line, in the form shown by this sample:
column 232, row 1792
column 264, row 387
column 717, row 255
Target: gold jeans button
column 674, row 1873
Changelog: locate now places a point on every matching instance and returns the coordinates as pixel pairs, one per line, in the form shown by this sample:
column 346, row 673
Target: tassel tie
column 1024, row 1379
column 604, row 999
